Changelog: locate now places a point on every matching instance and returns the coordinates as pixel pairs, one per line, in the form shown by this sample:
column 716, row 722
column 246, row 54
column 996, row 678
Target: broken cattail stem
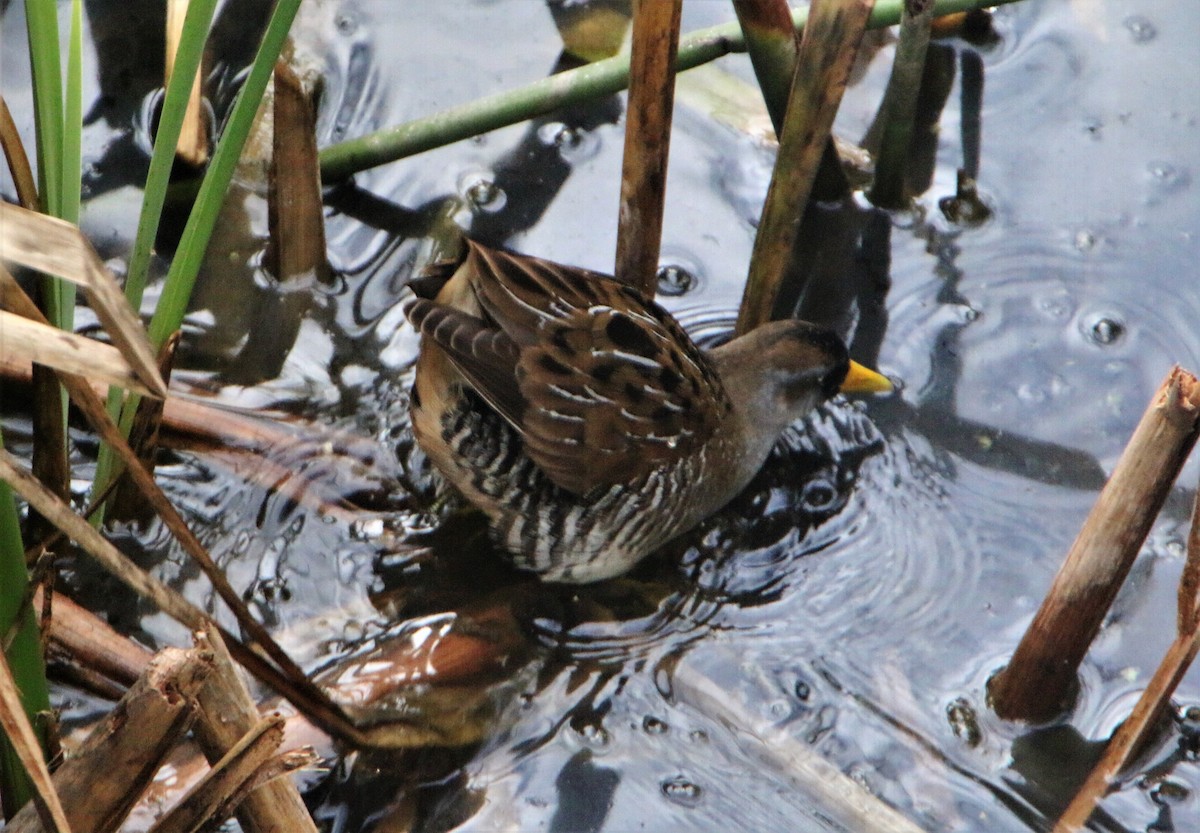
column 1040, row 679
column 647, row 141
column 227, row 712
column 213, row 798
column 100, row 783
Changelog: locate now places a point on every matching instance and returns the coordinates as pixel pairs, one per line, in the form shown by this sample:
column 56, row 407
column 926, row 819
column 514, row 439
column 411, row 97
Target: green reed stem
column 548, row 94
column 24, row 653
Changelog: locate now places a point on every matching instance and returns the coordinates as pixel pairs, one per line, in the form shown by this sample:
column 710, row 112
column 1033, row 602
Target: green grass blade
column 189, row 255
column 25, row 652
column 72, row 148
column 41, row 20
column 72, row 157
column 187, row 62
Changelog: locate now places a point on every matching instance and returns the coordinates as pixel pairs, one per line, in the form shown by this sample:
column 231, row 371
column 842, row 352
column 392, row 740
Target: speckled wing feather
column 612, row 387
column 485, row 355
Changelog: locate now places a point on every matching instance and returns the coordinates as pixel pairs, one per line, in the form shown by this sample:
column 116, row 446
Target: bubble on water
column 591, row 733
column 1142, row 30
column 346, row 23
column 1105, row 331
column 819, row 495
column 1167, row 177
column 803, row 691
column 1168, row 792
column 675, row 280
column 1085, row 240
column 574, row 144
column 1031, row 393
column 485, row 195
column 560, row 135
column 682, row 791
column 964, row 722
column 654, row 726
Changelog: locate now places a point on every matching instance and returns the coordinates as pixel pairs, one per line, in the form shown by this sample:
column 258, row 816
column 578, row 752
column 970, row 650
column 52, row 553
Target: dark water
column 857, row 598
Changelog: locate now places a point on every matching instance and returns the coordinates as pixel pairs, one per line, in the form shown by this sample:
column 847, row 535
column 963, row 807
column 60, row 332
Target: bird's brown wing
column 611, row 386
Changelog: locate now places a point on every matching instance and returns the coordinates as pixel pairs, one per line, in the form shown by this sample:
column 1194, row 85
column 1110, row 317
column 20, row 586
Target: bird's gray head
column 781, row 370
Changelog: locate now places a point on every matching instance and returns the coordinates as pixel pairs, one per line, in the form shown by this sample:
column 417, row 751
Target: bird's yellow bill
column 863, row 379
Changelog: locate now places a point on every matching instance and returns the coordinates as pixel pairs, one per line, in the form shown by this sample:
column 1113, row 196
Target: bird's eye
column 831, row 382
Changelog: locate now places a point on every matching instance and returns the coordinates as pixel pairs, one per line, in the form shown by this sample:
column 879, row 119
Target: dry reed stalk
column 828, row 47
column 1038, row 682
column 93, row 643
column 773, row 44
column 18, row 160
column 647, row 141
column 295, row 213
column 287, row 678
column 58, row 248
column 102, row 781
column 899, row 105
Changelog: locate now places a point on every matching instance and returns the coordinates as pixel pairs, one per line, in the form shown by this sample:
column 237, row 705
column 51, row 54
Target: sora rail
column 582, row 419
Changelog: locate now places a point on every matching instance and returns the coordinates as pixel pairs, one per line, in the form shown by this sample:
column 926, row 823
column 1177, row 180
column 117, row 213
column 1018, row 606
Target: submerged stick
column 549, row 94
column 831, row 794
column 827, row 53
column 647, row 141
column 1040, row 679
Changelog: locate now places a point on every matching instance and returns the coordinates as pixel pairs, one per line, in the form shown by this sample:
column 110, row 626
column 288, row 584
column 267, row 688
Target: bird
column 581, row 417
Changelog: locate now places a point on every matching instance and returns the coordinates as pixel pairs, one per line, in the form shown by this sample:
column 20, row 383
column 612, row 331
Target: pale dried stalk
column 59, row 248
column 47, row 345
column 192, row 146
column 21, row 735
column 289, row 679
